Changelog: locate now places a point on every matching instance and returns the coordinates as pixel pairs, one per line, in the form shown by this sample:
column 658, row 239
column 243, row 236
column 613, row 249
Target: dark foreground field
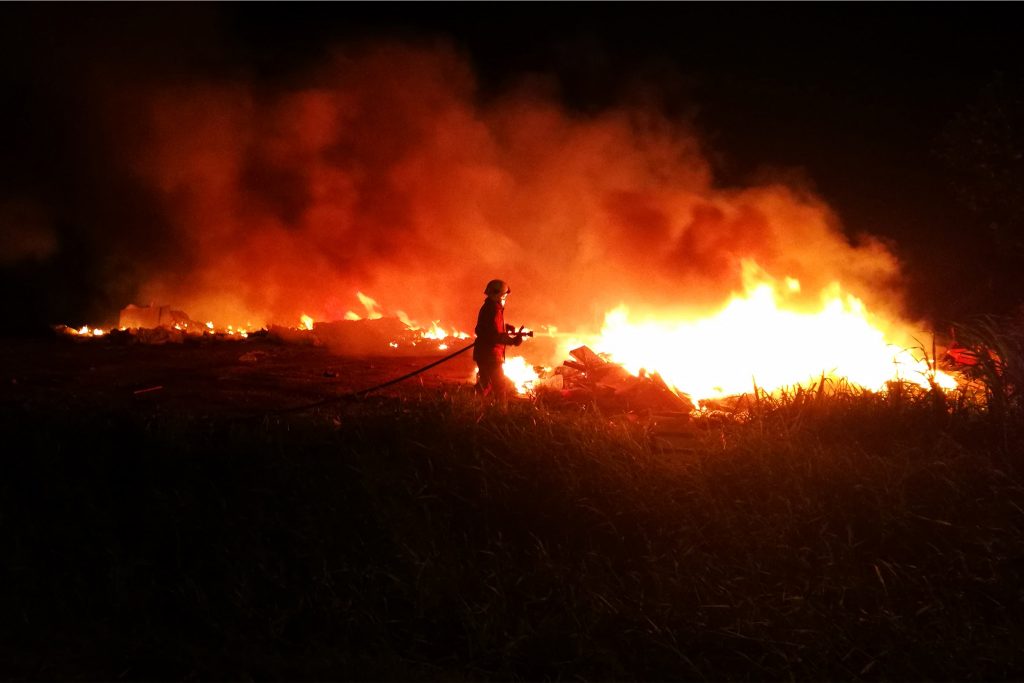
column 190, row 532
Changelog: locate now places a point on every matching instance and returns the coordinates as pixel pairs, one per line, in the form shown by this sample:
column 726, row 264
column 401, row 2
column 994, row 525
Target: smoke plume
column 383, row 171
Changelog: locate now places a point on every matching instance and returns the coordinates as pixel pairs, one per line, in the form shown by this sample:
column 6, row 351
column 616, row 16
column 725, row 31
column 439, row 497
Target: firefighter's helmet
column 498, row 287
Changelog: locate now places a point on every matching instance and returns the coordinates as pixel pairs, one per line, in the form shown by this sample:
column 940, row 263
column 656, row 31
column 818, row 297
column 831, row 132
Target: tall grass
column 998, row 377
column 822, row 534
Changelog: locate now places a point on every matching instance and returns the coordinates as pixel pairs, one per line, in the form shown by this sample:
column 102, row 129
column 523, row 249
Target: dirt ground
column 208, row 377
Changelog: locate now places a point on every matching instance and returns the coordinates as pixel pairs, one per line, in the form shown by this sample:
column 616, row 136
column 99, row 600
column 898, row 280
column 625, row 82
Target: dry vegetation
column 821, row 535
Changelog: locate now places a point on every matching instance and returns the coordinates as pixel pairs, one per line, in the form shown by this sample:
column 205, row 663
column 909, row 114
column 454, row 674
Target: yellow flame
column 402, row 316
column 85, row 331
column 306, row 322
column 435, row 332
column 371, row 306
column 521, row 373
column 753, row 341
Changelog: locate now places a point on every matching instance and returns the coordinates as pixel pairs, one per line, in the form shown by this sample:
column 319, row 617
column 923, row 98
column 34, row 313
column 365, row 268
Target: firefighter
column 492, row 336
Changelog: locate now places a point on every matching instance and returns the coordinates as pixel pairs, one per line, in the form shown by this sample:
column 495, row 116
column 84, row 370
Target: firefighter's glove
column 518, row 341
column 510, row 328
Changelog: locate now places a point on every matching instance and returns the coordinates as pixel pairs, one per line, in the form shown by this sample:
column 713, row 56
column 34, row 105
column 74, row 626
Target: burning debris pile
column 596, row 378
column 593, row 378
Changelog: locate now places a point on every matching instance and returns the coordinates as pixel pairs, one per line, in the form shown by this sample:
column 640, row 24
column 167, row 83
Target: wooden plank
column 588, row 357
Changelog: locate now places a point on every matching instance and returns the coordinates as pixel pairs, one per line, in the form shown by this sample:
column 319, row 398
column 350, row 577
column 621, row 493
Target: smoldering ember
column 751, row 273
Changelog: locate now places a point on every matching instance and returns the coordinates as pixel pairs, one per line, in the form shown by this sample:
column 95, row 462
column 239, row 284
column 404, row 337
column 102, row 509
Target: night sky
column 906, row 118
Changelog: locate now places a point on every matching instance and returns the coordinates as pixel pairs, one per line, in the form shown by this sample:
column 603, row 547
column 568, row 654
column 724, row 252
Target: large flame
column 761, row 339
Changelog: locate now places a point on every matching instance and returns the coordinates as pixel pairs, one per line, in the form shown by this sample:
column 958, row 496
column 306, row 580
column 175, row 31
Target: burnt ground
column 204, row 377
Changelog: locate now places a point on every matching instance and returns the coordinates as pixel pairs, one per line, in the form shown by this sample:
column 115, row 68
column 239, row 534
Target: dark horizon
column 903, row 119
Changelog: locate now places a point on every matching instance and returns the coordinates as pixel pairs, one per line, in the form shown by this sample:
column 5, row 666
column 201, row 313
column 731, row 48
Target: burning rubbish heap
column 595, row 378
column 655, row 361
column 592, row 378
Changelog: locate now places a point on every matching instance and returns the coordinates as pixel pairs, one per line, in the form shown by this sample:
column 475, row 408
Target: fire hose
column 363, row 392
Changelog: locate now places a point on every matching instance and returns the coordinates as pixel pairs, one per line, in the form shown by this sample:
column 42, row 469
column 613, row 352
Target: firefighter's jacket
column 492, row 336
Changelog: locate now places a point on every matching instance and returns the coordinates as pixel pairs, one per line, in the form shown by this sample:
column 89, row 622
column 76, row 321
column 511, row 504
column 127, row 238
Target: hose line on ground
column 363, row 392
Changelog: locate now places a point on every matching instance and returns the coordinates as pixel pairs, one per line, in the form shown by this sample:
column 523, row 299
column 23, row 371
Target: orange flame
column 759, row 339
